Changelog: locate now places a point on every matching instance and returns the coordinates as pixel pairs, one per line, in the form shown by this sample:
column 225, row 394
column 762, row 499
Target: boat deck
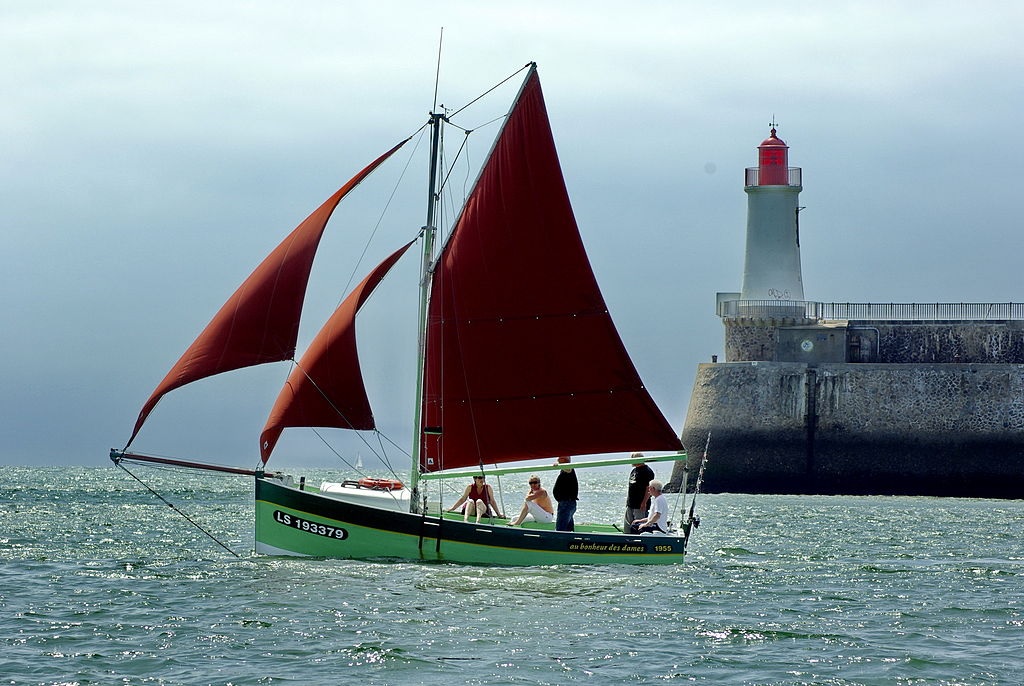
column 580, row 527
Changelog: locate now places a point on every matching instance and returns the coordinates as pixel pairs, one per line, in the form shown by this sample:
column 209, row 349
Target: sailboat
column 511, row 371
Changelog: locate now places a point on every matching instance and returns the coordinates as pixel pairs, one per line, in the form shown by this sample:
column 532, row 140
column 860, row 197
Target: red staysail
column 260, row 322
column 326, row 387
column 523, row 360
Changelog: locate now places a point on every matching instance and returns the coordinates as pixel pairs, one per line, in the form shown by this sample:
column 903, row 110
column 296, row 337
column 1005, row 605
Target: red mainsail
column 523, row 360
column 326, row 387
column 260, row 322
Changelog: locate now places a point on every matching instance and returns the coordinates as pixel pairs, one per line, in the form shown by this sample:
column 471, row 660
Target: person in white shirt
column 657, row 518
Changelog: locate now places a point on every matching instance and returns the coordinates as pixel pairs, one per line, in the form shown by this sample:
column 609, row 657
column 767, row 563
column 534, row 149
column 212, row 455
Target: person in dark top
column 479, row 500
column 566, row 492
column 637, row 495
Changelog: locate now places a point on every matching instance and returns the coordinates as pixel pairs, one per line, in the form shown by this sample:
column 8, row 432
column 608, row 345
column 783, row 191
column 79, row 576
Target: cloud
column 152, row 156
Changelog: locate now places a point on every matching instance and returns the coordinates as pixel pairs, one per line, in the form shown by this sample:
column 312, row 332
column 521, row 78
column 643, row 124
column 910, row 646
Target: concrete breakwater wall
column 903, row 342
column 937, row 342
column 860, row 428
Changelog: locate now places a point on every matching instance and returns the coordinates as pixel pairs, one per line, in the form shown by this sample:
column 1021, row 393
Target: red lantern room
column 773, row 161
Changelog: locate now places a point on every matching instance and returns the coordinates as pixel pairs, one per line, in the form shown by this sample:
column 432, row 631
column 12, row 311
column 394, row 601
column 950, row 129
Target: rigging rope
column 451, row 167
column 356, row 268
column 382, row 455
column 494, row 87
column 171, row 505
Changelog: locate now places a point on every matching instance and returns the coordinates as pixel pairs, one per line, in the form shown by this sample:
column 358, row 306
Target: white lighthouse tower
column 771, row 268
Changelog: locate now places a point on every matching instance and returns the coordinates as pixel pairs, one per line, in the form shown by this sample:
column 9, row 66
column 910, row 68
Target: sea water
column 102, row 583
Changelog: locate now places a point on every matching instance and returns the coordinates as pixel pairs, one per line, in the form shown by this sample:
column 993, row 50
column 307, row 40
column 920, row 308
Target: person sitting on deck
column 537, row 505
column 479, row 500
column 657, row 521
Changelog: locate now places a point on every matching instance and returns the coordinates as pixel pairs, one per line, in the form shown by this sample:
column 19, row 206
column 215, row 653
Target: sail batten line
column 531, row 317
column 477, row 400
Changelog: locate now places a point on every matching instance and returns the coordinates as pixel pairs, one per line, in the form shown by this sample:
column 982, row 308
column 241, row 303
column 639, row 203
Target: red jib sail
column 523, row 360
column 260, row 322
column 326, row 387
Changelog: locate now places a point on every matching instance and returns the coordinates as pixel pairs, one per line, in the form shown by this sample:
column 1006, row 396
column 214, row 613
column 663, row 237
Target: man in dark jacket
column 637, row 495
column 566, row 492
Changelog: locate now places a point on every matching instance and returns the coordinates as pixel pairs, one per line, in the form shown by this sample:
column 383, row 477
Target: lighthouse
column 795, row 407
column 771, row 268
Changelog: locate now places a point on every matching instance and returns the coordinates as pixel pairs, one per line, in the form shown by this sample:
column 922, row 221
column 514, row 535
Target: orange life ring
column 380, row 484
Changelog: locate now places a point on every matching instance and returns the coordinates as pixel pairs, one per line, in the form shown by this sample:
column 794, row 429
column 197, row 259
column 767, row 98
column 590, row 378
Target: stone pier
column 863, row 407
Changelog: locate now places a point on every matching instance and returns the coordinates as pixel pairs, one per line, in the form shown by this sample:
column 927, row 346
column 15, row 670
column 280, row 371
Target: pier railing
column 803, row 309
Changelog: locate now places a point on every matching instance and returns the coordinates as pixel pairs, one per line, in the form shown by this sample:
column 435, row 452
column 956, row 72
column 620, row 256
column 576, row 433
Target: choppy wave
column 100, row 583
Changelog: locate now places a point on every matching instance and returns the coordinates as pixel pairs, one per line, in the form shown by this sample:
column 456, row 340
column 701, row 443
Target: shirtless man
column 537, row 505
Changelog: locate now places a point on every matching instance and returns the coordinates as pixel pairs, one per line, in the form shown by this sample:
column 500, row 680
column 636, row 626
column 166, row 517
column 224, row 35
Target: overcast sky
column 154, row 152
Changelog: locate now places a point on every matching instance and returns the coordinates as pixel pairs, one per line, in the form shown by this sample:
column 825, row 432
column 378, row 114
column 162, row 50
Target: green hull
column 290, row 521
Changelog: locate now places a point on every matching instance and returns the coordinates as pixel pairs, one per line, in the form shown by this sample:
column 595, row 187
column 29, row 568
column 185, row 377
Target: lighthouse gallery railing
column 752, row 176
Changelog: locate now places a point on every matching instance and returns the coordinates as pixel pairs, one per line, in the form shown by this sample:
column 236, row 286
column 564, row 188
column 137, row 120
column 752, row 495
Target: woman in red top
column 479, row 499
